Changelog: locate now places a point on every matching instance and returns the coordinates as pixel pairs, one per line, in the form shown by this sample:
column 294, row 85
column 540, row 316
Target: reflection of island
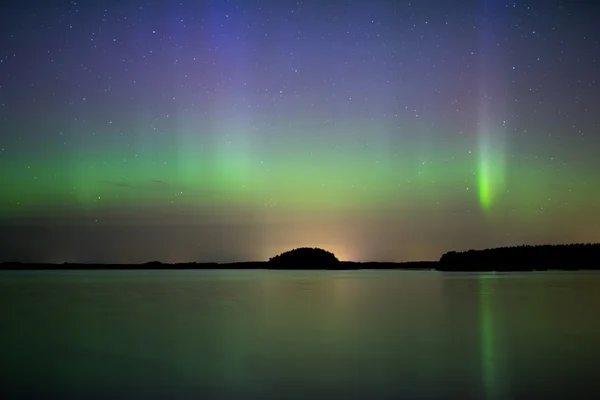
column 521, row 258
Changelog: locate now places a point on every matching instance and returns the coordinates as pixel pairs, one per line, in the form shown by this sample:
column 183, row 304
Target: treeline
column 568, row 257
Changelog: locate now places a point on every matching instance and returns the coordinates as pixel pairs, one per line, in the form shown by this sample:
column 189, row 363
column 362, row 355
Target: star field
column 233, row 130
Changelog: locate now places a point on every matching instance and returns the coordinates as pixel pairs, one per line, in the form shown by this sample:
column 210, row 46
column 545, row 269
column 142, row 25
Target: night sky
column 177, row 131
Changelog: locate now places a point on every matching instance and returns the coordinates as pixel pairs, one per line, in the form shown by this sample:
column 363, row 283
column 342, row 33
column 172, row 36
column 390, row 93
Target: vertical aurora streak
column 491, row 168
column 490, row 137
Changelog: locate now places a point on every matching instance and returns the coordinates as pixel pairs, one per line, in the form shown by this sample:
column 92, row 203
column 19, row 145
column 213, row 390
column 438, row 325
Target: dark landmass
column 297, row 258
column 570, row 257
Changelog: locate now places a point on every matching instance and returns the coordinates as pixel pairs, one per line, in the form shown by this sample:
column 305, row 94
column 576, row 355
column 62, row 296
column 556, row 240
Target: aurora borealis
column 181, row 131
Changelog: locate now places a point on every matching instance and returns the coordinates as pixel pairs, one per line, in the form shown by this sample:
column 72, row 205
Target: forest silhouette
column 524, row 258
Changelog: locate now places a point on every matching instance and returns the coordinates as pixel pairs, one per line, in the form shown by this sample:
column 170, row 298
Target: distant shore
column 264, row 265
column 344, row 265
column 569, row 257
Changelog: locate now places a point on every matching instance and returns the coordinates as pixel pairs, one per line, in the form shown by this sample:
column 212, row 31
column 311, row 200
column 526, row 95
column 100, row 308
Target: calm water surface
column 282, row 334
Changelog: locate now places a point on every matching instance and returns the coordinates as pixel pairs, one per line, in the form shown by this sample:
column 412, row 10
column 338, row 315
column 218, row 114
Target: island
column 297, row 258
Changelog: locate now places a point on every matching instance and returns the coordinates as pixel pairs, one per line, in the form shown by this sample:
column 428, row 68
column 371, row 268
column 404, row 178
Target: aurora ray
column 490, row 136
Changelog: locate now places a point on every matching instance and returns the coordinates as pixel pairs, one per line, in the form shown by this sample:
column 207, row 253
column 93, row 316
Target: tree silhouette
column 305, row 258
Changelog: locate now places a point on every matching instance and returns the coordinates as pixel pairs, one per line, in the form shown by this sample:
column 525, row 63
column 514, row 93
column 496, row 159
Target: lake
column 287, row 334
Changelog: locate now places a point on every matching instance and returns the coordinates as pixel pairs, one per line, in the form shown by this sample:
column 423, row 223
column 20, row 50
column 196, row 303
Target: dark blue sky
column 385, row 130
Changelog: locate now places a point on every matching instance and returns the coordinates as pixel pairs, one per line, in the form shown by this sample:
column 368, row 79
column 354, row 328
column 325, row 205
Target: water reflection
column 486, row 333
column 284, row 334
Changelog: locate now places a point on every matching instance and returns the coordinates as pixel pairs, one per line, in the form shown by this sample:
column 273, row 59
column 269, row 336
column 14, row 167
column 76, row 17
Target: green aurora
column 291, row 181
